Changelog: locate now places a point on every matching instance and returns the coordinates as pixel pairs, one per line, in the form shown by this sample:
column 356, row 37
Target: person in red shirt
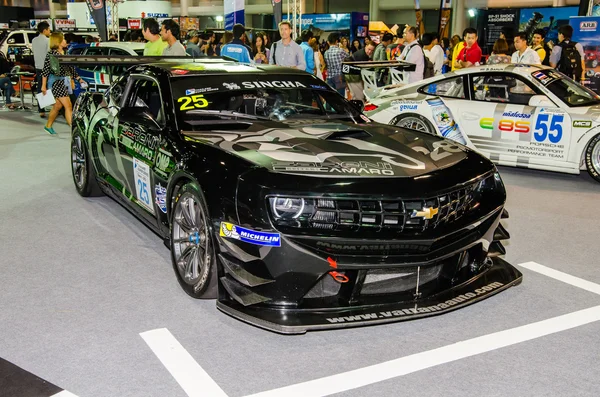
column 470, row 55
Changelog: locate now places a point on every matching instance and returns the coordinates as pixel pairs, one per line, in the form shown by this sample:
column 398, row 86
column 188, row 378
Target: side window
column 115, row 93
column 31, row 36
column 146, row 93
column 453, row 87
column 96, row 51
column 501, row 88
column 17, row 38
column 118, row 70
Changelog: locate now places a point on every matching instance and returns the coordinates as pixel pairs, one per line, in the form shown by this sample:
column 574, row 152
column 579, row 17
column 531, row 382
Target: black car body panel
column 319, row 221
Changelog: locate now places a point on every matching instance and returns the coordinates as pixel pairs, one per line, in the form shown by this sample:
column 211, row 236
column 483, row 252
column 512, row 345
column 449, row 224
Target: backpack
column 570, row 60
column 428, row 70
column 548, row 51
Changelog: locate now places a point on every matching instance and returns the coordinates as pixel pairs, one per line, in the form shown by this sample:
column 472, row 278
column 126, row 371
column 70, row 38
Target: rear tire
column 414, row 122
column 192, row 244
column 592, row 158
column 84, row 175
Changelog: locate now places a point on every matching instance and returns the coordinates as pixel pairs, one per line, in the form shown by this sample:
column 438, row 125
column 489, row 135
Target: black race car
column 282, row 200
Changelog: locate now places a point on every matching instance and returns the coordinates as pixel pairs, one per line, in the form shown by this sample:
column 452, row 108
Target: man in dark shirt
column 355, row 83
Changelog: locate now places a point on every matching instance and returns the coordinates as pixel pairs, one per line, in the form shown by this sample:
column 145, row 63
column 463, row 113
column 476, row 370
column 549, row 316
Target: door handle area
column 470, row 116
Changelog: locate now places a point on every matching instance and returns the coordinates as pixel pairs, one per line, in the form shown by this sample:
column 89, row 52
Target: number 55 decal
column 553, row 132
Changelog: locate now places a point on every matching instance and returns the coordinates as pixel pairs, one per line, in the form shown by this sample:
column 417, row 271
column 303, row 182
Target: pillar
column 459, row 16
column 183, row 8
column 52, row 8
column 374, row 10
column 559, row 3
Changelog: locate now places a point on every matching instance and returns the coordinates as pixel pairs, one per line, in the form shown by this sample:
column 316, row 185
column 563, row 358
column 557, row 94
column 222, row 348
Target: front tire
column 414, row 122
column 592, row 158
column 192, row 245
column 82, row 168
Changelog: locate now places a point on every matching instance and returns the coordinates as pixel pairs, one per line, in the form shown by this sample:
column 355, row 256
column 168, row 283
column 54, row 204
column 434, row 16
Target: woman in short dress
column 59, row 83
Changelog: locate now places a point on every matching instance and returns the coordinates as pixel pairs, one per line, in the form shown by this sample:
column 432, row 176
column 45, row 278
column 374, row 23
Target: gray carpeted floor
column 81, row 278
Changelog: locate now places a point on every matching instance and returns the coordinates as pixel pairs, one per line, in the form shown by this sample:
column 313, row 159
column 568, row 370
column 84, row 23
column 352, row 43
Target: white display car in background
column 517, row 115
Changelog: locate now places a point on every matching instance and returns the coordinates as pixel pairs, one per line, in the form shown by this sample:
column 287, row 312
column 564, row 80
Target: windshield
column 569, row 91
column 199, row 100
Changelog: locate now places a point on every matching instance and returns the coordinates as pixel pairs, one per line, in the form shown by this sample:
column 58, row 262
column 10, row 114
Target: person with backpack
column 413, row 53
column 567, row 56
column 433, row 53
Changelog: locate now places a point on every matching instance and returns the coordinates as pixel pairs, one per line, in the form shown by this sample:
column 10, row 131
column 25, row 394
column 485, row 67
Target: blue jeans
column 38, row 80
column 7, row 87
column 338, row 84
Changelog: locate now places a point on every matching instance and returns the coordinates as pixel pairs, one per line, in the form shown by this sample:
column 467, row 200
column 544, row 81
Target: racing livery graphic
column 516, row 115
column 283, row 202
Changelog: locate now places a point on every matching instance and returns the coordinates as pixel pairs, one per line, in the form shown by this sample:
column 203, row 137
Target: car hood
column 334, row 149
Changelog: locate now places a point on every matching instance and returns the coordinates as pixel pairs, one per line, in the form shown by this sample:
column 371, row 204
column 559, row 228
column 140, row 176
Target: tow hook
column 337, row 276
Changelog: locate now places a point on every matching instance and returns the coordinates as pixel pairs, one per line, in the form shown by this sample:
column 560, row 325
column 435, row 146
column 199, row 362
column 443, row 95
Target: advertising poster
column 189, row 23
column 65, row 24
column 495, row 20
column 134, row 24
column 549, row 19
column 587, row 32
column 234, row 12
column 98, row 12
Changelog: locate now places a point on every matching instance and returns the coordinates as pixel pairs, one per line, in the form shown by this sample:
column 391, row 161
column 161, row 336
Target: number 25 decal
column 192, row 102
column 553, row 132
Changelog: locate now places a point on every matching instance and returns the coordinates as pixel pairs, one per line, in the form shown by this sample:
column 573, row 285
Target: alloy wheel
column 78, row 162
column 413, row 123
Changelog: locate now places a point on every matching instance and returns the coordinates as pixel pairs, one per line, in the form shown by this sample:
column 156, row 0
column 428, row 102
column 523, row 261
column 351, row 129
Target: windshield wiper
column 227, row 113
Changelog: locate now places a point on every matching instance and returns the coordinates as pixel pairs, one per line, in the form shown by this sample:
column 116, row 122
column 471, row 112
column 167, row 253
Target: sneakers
column 50, row 130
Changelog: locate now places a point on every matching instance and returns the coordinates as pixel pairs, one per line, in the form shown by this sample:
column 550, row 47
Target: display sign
column 234, row 13
column 4, row 25
column 495, row 21
column 549, row 19
column 33, row 23
column 586, row 30
column 98, row 12
column 134, row 24
column 65, row 24
column 186, row 23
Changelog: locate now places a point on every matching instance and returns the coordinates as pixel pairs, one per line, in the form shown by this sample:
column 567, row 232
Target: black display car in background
column 282, row 200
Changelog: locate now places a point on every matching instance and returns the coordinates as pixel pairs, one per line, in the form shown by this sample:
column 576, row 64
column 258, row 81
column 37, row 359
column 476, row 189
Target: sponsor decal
column 588, row 26
column 192, row 102
column 272, row 84
column 163, row 162
column 138, row 142
column 416, row 310
column 202, row 90
column 231, row 86
column 143, row 189
column 507, row 125
column 425, row 213
column 365, row 118
column 374, row 247
column 343, row 167
column 582, row 123
column 235, row 232
column 190, row 92
column 179, row 71
column 402, row 108
column 552, row 110
column 190, row 66
column 160, row 197
column 445, row 122
column 517, row 115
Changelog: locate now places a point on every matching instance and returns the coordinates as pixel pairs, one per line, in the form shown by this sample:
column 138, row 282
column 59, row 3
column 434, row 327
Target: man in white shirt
column 433, row 51
column 40, row 48
column 524, row 53
column 413, row 53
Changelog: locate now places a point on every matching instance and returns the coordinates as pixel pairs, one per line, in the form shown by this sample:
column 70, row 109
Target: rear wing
column 371, row 72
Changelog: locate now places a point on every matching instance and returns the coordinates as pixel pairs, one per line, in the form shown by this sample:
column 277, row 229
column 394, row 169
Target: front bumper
column 499, row 276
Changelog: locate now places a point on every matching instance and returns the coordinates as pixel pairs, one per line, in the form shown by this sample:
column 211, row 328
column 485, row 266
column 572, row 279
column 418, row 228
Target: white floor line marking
column 64, row 393
column 419, row 361
column 186, row 371
column 564, row 277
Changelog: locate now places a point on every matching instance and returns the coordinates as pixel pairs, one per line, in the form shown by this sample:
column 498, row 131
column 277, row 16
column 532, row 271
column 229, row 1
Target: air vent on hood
column 358, row 134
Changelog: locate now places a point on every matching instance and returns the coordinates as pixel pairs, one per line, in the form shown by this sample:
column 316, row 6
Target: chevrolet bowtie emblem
column 426, row 213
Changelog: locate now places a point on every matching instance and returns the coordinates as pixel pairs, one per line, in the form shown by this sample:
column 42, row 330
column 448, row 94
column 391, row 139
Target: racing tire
column 592, row 158
column 414, row 122
column 82, row 169
column 192, row 244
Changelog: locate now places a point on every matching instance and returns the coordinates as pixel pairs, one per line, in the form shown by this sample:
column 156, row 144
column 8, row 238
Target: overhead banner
column 234, row 13
column 277, row 10
column 586, row 30
column 419, row 14
column 445, row 13
column 98, row 11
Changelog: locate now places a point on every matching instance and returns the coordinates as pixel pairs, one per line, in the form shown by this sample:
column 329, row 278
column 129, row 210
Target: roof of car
column 214, row 65
column 522, row 69
column 125, row 45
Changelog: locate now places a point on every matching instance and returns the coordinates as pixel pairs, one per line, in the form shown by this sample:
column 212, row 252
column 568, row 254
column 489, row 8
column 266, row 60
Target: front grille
column 394, row 215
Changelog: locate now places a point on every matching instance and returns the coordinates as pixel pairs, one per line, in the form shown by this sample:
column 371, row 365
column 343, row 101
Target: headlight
column 286, row 207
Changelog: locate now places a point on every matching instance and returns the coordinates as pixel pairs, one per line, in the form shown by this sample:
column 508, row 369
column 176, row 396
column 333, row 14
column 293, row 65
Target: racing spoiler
column 370, row 72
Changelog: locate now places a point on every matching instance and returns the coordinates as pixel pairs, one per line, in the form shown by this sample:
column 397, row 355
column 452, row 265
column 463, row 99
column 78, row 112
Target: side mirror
column 360, row 105
column 540, row 100
column 138, row 115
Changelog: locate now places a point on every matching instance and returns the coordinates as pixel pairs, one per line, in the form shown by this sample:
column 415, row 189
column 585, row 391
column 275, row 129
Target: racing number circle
column 192, row 250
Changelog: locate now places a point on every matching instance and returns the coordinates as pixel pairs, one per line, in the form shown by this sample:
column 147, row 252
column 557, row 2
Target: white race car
column 517, row 115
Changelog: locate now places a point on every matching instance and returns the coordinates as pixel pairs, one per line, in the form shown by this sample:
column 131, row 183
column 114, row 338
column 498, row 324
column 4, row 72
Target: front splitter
column 498, row 277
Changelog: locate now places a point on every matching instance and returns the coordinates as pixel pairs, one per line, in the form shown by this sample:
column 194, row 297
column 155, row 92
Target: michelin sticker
column 160, row 194
column 235, row 232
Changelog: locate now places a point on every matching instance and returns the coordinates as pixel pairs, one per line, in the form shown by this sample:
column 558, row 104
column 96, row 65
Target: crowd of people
column 431, row 54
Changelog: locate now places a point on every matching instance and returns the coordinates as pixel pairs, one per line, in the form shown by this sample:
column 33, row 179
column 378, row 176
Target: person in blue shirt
column 309, row 53
column 237, row 49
